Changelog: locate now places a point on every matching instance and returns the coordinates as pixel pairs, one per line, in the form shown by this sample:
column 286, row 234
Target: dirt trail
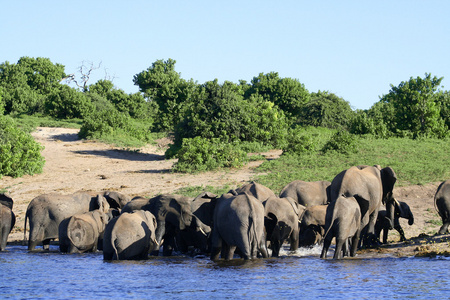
column 73, row 165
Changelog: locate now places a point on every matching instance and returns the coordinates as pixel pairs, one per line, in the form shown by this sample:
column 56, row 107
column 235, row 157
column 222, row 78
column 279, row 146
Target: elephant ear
column 388, row 179
column 103, row 204
column 6, row 200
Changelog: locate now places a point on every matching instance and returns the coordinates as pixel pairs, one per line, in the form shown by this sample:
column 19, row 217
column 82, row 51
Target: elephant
column 442, row 204
column 115, row 199
column 47, row 211
column 281, row 221
column 402, row 210
column 84, row 232
column 131, row 236
column 257, row 190
column 312, row 225
column 172, row 212
column 308, row 193
column 238, row 222
column 343, row 221
column 374, row 186
column 7, row 219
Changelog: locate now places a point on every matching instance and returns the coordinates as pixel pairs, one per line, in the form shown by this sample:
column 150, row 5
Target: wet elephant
column 238, row 222
column 442, row 204
column 281, row 221
column 131, row 236
column 7, row 219
column 343, row 222
column 374, row 186
column 401, row 210
column 312, row 225
column 47, row 211
column 307, row 193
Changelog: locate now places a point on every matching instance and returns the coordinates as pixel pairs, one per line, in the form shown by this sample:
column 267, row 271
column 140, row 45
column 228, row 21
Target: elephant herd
column 247, row 221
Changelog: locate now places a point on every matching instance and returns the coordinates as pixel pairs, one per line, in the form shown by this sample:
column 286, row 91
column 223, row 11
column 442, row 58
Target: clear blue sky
column 354, row 49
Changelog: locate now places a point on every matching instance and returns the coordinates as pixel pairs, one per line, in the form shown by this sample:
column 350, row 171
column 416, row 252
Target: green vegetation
column 216, row 124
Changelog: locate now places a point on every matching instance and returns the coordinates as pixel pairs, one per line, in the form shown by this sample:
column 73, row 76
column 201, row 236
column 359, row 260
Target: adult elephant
column 257, row 190
column 131, row 236
column 312, row 225
column 374, row 186
column 307, row 193
column 172, row 212
column 281, row 221
column 343, row 221
column 115, row 199
column 47, row 211
column 238, row 222
column 402, row 210
column 442, row 204
column 7, row 219
column 84, row 232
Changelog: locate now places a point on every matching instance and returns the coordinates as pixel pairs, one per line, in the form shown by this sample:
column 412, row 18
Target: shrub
column 68, row 103
column 20, row 154
column 201, row 154
column 342, row 142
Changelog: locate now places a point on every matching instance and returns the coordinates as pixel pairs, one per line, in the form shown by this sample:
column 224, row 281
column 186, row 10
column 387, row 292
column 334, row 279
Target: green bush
column 68, row 103
column 342, row 142
column 20, row 154
column 201, row 154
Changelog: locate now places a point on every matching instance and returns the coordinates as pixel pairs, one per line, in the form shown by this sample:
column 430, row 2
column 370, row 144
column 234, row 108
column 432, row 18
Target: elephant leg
column 168, row 245
column 230, row 252
column 370, row 238
column 263, row 250
column 401, row 232
column 216, row 245
column 276, row 245
column 326, row 245
column 340, row 243
column 385, row 234
column 46, row 244
column 354, row 245
column 444, row 227
column 294, row 240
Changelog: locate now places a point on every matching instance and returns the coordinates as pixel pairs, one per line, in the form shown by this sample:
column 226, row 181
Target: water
column 44, row 275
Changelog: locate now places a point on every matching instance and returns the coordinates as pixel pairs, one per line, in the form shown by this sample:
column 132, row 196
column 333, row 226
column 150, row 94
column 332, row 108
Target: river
column 301, row 275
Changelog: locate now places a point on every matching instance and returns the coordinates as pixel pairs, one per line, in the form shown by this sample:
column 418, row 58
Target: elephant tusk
column 202, row 231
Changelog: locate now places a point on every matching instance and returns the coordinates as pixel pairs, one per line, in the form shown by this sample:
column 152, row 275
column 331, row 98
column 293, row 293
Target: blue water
column 44, row 275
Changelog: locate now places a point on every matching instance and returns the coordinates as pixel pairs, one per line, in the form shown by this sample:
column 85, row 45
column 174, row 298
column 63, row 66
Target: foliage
column 67, row 103
column 29, row 123
column 325, row 109
column 416, row 108
column 202, row 154
column 362, row 124
column 19, row 153
column 342, row 142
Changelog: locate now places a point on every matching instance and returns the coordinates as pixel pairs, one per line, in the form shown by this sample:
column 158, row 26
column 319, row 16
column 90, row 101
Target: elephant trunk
column 390, row 211
column 411, row 221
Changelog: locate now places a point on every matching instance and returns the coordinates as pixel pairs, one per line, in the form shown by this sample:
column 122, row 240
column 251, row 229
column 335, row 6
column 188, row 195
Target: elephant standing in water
column 257, row 190
column 343, row 221
column 7, row 219
column 131, row 236
column 312, row 225
column 47, row 211
column 238, row 222
column 442, row 204
column 84, row 232
column 402, row 210
column 374, row 186
column 307, row 193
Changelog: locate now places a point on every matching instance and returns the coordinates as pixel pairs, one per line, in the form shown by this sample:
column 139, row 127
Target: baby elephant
column 83, row 232
column 343, row 220
column 130, row 236
column 402, row 210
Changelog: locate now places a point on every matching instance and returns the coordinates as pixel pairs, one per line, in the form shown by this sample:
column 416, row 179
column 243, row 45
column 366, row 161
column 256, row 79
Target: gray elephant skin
column 172, row 212
column 343, row 222
column 84, row 232
column 402, row 210
column 442, row 204
column 307, row 193
column 374, row 186
column 238, row 222
column 312, row 225
column 7, row 219
column 47, row 211
column 281, row 221
column 257, row 190
column 131, row 236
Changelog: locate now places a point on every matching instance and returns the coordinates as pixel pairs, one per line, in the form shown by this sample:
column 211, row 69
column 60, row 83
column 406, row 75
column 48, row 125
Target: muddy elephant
column 281, row 221
column 442, row 204
column 401, row 210
column 312, row 225
column 47, row 211
column 257, row 190
column 7, row 219
column 131, row 236
column 374, row 186
column 307, row 193
column 238, row 222
column 172, row 212
column 343, row 222
column 84, row 232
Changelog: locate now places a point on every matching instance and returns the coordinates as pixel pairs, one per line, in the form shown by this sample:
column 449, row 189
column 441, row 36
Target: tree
column 416, row 107
column 325, row 109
